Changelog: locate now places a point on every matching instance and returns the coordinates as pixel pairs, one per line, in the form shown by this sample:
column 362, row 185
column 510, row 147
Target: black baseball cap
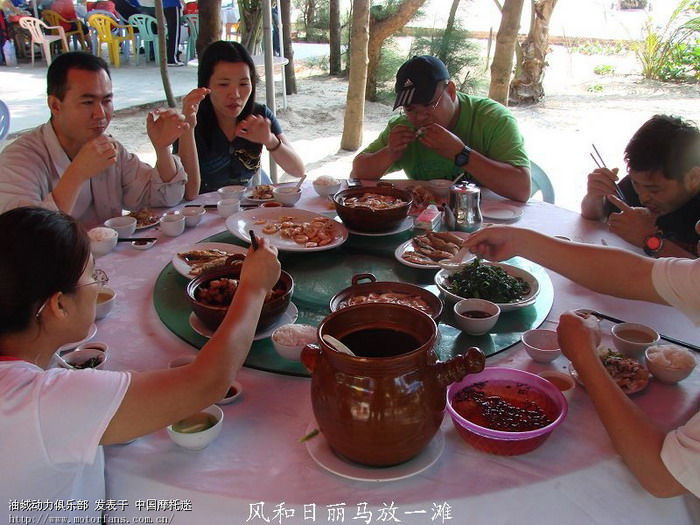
column 417, row 80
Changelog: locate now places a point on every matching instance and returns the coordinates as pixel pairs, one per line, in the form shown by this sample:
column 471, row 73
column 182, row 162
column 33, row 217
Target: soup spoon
column 337, row 345
column 456, row 262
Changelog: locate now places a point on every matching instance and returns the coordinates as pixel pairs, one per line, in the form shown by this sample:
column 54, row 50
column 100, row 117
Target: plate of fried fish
column 203, row 257
column 426, row 249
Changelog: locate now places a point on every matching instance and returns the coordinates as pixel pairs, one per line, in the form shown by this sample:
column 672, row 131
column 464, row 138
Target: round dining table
column 258, row 470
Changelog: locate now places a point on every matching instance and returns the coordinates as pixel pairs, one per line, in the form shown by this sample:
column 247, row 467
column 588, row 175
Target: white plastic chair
column 37, row 29
column 4, row 120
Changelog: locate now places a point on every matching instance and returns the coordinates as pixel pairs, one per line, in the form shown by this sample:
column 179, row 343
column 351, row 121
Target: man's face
column 661, row 195
column 438, row 111
column 85, row 111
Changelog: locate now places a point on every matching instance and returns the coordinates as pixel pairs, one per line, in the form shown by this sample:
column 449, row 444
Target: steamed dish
column 201, row 261
column 220, row 292
column 405, row 299
column 374, row 201
column 627, row 372
column 144, row 217
column 433, row 246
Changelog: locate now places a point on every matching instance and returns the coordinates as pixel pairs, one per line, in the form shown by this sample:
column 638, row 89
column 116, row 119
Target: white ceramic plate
column 626, row 390
column 407, row 224
column 408, row 247
column 529, row 298
column 289, row 316
column 500, row 212
column 249, row 192
column 240, row 224
column 184, row 269
column 69, row 346
column 323, row 454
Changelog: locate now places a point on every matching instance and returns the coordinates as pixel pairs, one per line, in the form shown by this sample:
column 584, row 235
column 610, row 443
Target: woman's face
column 81, row 303
column 230, row 86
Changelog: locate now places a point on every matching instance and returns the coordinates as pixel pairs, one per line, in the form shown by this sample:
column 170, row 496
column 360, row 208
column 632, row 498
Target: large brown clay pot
column 383, row 406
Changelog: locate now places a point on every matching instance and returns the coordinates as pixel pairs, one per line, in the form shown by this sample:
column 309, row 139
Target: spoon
column 301, row 181
column 337, row 345
column 456, row 262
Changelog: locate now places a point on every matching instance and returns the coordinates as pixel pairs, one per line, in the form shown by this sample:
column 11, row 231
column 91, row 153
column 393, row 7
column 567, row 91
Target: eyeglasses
column 99, row 277
column 419, row 109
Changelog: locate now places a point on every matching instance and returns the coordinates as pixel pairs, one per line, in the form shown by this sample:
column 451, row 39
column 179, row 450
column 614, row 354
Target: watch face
column 653, row 242
column 462, row 158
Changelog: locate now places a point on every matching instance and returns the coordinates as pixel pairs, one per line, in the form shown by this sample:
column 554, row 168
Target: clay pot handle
column 309, row 356
column 361, row 276
column 453, row 370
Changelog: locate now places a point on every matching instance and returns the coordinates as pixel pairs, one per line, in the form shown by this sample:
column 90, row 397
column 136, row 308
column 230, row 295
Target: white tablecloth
column 256, row 467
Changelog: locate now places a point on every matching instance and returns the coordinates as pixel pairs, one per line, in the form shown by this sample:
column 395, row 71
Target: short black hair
column 57, row 75
column 222, row 51
column 664, row 143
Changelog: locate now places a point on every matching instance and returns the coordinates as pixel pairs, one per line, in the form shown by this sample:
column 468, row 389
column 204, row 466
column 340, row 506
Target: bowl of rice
column 102, row 240
column 290, row 339
column 326, row 185
column 669, row 363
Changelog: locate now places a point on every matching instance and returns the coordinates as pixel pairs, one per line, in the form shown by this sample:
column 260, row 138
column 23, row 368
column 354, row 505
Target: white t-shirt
column 681, row 454
column 52, row 423
column 677, row 281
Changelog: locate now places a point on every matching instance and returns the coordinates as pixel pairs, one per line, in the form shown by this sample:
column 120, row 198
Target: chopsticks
column 130, row 239
column 601, row 164
column 210, row 206
column 664, row 337
column 253, row 240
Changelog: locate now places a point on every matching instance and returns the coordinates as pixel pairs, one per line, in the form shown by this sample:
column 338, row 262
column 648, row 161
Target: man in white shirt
column 666, row 464
column 70, row 163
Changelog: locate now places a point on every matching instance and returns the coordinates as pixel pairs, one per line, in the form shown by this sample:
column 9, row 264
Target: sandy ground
column 559, row 131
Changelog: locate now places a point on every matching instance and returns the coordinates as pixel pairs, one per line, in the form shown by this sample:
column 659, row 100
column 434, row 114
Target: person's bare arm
column 285, row 155
column 187, row 147
column 159, row 398
column 603, row 269
column 163, row 131
column 601, row 183
column 634, row 437
column 372, row 166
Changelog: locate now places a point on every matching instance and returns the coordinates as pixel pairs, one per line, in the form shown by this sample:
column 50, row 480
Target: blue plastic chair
column 541, row 182
column 4, row 120
column 147, row 33
column 193, row 28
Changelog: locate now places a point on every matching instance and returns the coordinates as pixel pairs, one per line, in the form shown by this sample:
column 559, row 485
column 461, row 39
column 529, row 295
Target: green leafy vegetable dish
column 483, row 281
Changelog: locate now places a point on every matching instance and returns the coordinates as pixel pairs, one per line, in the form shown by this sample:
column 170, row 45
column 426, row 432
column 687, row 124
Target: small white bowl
column 227, row 207
column 440, row 187
column 632, row 339
column 541, row 345
column 102, row 240
column 172, row 224
column 78, row 358
column 476, row 325
column 203, row 438
column 193, row 215
column 143, row 245
column 669, row 363
column 231, row 192
column 106, row 298
column 564, row 382
column 234, row 392
column 125, row 225
column 324, row 190
column 305, row 334
column 287, row 195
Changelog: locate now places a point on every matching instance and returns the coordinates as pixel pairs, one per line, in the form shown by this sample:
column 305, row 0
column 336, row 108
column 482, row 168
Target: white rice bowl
column 671, row 356
column 290, row 339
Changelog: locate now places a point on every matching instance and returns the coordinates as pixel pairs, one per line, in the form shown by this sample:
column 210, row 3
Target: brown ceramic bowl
column 212, row 316
column 340, row 300
column 368, row 220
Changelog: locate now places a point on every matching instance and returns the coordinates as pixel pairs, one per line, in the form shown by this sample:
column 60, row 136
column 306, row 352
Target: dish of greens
column 508, row 286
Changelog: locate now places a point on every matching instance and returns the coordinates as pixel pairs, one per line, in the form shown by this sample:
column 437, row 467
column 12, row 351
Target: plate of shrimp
column 288, row 229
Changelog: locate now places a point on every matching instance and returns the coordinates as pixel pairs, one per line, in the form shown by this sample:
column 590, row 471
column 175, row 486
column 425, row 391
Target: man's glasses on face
column 419, row 109
column 99, row 277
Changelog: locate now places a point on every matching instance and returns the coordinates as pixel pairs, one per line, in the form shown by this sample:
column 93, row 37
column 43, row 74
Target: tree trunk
column 442, row 54
column 526, row 87
column 209, row 24
column 251, row 24
column 309, row 16
column 380, row 30
column 355, row 102
column 162, row 61
column 334, row 37
column 289, row 76
column 502, row 66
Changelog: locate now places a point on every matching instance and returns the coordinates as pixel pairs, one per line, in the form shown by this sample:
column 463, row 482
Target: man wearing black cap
column 442, row 132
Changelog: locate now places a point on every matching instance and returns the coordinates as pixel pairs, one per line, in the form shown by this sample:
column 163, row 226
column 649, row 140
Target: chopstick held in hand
column 601, row 164
column 253, row 240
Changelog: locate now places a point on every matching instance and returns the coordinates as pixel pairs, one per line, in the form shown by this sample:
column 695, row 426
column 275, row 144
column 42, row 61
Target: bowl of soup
column 106, row 297
column 632, row 339
column 372, row 209
column 199, row 430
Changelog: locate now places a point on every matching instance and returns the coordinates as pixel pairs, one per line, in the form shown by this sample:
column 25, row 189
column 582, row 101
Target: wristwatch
column 653, row 244
column 462, row 158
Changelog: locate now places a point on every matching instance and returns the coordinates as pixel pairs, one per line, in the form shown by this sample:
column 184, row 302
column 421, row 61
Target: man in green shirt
column 441, row 132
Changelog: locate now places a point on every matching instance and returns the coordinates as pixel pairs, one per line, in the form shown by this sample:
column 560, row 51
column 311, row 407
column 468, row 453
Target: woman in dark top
column 228, row 129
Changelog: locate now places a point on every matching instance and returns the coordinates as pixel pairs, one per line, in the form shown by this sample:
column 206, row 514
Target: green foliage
column 383, row 10
column 595, row 88
column 671, row 52
column 594, row 47
column 604, row 70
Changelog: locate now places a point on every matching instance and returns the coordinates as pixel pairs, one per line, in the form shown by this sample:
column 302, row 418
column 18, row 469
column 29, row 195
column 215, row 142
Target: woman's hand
column 261, row 266
column 164, row 126
column 256, row 128
column 190, row 104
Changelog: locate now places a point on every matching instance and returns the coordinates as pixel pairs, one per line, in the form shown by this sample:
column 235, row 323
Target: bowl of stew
column 211, row 293
column 373, row 209
column 505, row 411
